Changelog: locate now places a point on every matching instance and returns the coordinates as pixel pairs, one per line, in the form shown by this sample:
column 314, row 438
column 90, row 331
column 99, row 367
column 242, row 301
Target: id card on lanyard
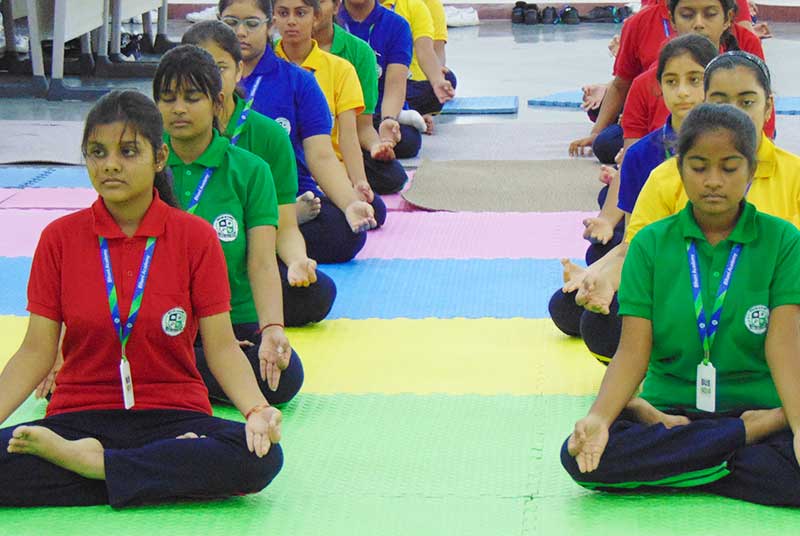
column 248, row 105
column 706, row 388
column 124, row 330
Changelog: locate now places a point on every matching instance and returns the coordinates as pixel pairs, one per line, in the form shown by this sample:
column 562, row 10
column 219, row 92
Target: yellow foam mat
column 453, row 356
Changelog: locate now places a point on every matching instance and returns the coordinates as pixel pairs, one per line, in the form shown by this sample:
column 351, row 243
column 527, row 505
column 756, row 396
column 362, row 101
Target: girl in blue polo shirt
column 234, row 191
column 389, row 35
column 129, row 422
column 335, row 227
column 308, row 293
column 680, row 75
column 711, row 305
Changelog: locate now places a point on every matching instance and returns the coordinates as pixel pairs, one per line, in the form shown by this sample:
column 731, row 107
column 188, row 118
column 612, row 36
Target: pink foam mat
column 395, row 202
column 47, row 198
column 478, row 235
column 23, row 230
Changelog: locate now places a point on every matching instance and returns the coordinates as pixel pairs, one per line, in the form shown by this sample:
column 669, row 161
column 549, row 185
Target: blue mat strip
column 481, row 105
column 397, row 288
column 44, row 177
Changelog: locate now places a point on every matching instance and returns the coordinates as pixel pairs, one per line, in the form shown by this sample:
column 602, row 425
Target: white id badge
column 706, row 387
column 127, row 383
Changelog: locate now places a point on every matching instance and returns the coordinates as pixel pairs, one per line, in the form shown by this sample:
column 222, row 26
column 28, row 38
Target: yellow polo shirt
column 436, row 7
column 419, row 18
column 337, row 79
column 775, row 189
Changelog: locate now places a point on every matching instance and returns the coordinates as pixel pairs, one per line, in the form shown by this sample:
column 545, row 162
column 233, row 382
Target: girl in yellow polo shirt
column 736, row 78
column 339, row 82
column 711, row 305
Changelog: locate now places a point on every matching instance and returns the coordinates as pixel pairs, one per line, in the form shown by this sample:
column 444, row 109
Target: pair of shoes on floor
column 459, row 17
column 608, row 14
column 20, row 43
column 525, row 13
column 209, row 13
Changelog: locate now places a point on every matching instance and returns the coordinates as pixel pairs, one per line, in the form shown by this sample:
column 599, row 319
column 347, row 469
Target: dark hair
column 313, row 4
column 727, row 40
column 141, row 114
column 706, row 118
column 699, row 47
column 188, row 66
column 217, row 32
column 740, row 58
column 263, row 5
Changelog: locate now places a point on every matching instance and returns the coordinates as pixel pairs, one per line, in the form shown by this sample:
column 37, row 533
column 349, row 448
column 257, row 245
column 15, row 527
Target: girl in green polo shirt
column 710, row 306
column 233, row 190
column 308, row 294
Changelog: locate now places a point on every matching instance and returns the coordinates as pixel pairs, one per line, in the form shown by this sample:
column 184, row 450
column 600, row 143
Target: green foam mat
column 421, row 465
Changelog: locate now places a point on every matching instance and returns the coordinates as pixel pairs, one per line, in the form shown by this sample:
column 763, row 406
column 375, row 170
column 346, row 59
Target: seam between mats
column 38, row 178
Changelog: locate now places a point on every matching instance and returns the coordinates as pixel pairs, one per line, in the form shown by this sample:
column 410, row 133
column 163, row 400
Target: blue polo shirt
column 292, row 97
column 387, row 33
column 640, row 159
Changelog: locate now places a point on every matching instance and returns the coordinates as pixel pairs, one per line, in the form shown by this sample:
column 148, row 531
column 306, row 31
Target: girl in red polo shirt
column 132, row 279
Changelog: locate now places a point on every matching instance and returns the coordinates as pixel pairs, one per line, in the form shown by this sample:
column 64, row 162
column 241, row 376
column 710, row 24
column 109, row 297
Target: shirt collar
column 153, row 224
column 766, row 158
column 211, row 157
column 313, row 62
column 337, row 45
column 237, row 111
column 744, row 232
column 267, row 65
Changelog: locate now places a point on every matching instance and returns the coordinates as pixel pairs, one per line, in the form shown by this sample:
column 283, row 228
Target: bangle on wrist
column 260, row 330
column 255, row 409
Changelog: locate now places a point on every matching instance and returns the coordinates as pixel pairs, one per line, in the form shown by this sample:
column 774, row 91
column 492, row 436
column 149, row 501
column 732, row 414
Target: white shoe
column 462, row 17
column 412, row 118
column 209, row 13
column 20, row 43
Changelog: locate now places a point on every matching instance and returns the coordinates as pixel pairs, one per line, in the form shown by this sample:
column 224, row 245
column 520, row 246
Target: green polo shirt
column 264, row 137
column 239, row 196
column 656, row 286
column 362, row 57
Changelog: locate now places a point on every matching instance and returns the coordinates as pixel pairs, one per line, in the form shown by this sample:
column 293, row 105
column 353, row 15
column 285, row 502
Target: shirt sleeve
column 784, row 289
column 282, row 162
column 314, row 116
column 210, row 293
column 401, row 44
column 742, row 11
column 628, row 173
column 420, row 19
column 261, row 203
column 635, row 294
column 635, row 117
column 653, row 203
column 44, row 284
column 627, row 64
column 348, row 89
column 749, row 42
column 436, row 9
column 367, row 70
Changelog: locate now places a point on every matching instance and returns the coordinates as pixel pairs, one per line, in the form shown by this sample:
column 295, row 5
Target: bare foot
column 190, row 435
column 646, row 413
column 428, row 118
column 762, row 30
column 308, row 207
column 573, row 275
column 82, row 456
column 760, row 423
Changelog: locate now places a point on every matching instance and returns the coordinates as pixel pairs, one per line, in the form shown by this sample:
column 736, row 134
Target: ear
column 770, row 108
column 239, row 71
column 219, row 102
column 161, row 157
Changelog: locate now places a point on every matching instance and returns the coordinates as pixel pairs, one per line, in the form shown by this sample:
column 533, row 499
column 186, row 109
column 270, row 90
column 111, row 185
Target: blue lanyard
column 124, row 330
column 666, row 27
column 706, row 330
column 668, row 152
column 198, row 192
column 248, row 105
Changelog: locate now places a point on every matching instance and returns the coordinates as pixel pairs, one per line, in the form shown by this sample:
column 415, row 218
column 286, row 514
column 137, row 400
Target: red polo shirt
column 742, row 13
column 645, row 33
column 645, row 110
column 187, row 281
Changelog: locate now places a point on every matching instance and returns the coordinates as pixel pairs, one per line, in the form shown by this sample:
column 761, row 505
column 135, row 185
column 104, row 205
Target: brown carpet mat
column 51, row 142
column 506, row 186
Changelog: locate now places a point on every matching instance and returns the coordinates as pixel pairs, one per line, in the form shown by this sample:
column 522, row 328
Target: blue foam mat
column 481, row 105
column 44, row 177
column 787, row 105
column 562, row 99
column 397, row 288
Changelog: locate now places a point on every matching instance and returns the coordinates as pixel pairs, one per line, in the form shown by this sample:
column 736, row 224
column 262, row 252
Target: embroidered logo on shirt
column 379, row 69
column 174, row 321
column 227, row 227
column 287, row 126
column 757, row 319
